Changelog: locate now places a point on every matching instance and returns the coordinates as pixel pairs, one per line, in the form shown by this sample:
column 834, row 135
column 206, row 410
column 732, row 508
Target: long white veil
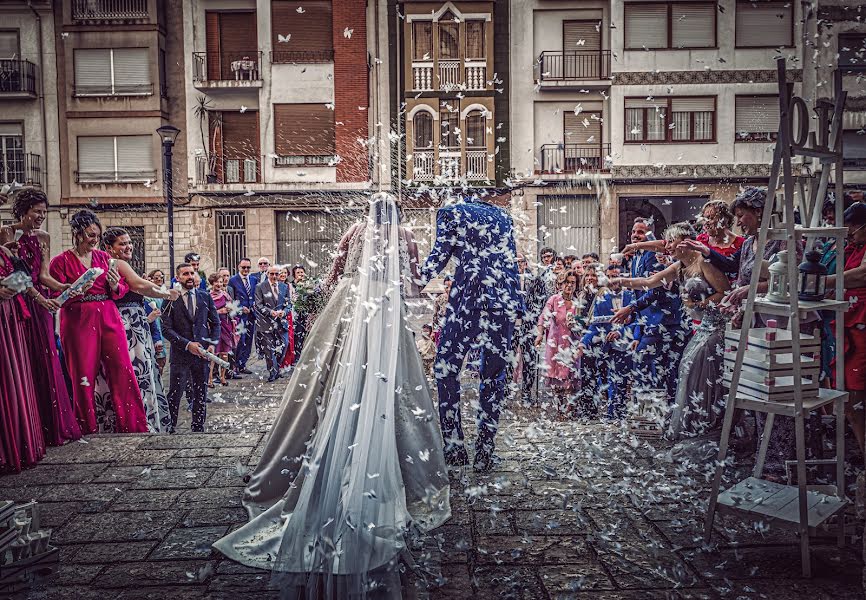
column 346, row 534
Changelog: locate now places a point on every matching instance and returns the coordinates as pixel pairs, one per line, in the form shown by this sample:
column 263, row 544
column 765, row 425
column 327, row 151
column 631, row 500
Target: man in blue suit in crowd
column 484, row 305
column 243, row 286
column 191, row 324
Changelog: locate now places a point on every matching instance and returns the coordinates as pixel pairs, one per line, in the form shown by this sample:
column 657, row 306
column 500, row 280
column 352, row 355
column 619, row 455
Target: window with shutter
column 9, row 47
column 131, row 71
column 238, row 41
column 449, row 34
column 475, row 39
column 854, row 150
column 422, row 40
column 757, row 118
column 476, row 136
column 693, row 25
column 240, row 144
column 12, row 167
column 92, row 72
column 422, row 124
column 304, row 134
column 646, row 26
column 670, row 119
column 764, row 24
column 852, row 52
column 106, row 159
column 310, row 33
column 581, row 36
column 583, row 129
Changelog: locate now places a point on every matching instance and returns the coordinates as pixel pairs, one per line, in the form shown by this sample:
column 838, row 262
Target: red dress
column 52, row 397
column 704, row 238
column 92, row 336
column 855, row 327
column 289, row 338
column 21, row 441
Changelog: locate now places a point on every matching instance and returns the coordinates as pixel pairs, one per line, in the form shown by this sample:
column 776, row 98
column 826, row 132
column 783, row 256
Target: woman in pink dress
column 52, row 397
column 555, row 325
column 717, row 220
column 91, row 331
column 225, row 345
column 21, row 440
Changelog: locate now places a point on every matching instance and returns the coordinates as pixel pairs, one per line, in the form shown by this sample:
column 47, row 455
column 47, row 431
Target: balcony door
column 581, row 50
column 582, row 142
column 230, row 37
column 11, row 153
column 236, row 146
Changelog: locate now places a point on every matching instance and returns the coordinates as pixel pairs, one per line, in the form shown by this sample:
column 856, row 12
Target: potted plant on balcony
column 207, row 118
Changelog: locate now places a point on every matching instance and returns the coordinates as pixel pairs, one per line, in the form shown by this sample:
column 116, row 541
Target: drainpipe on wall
column 42, row 90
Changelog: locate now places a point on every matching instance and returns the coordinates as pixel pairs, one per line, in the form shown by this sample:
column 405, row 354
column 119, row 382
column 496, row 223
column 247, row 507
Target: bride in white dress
column 353, row 462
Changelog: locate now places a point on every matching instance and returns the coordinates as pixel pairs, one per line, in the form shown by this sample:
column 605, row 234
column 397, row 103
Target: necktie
column 247, row 284
column 189, row 302
column 276, row 295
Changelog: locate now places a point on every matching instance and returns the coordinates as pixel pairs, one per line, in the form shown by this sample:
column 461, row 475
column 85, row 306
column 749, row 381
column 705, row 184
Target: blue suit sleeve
column 155, row 334
column 443, row 247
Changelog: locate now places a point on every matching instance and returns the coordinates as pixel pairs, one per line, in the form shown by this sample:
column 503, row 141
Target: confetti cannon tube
column 88, row 276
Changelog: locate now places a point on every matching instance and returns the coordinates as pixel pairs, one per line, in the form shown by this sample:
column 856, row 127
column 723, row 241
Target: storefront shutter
column 646, row 26
column 764, row 24
column 693, row 25
column 92, row 71
column 304, row 130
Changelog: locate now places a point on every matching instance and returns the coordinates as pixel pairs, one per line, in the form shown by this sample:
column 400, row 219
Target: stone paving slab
column 574, row 511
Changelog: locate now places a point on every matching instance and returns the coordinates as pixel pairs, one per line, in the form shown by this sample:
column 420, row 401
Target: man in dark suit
column 243, row 287
column 271, row 307
column 191, row 324
column 484, row 303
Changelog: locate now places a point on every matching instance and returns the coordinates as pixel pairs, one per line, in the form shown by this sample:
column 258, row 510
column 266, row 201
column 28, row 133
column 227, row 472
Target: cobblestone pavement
column 574, row 511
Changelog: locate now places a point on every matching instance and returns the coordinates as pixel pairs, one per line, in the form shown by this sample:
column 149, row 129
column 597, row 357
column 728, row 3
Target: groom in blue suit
column 483, row 306
column 243, row 286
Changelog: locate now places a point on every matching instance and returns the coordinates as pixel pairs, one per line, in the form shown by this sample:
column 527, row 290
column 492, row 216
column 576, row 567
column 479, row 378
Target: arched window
column 422, row 125
column 476, row 134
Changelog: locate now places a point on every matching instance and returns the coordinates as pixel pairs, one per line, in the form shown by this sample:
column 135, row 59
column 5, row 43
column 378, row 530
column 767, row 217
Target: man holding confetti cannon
column 191, row 325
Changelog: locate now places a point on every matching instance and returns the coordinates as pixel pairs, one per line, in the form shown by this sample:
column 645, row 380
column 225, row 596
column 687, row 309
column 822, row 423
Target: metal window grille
column 136, row 235
column 231, row 237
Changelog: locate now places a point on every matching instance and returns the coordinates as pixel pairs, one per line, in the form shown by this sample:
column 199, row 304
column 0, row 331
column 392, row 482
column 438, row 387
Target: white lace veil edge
column 346, row 535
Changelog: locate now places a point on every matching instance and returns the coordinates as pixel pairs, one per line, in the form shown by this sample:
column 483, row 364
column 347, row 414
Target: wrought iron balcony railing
column 301, row 56
column 574, row 158
column 17, row 77
column 22, row 168
column 574, row 65
column 109, row 10
column 227, row 66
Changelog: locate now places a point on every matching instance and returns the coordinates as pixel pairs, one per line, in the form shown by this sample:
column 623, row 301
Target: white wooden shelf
column 779, row 503
column 762, row 305
column 787, row 408
column 780, row 233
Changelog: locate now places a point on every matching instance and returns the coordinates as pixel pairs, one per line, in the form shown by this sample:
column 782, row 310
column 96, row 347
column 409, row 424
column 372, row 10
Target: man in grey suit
column 271, row 307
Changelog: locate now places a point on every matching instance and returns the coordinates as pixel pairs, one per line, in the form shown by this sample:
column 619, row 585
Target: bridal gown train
column 354, row 459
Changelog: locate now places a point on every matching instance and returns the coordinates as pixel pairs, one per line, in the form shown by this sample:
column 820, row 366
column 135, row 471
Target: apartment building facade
column 118, row 80
column 279, row 124
column 642, row 108
column 29, row 153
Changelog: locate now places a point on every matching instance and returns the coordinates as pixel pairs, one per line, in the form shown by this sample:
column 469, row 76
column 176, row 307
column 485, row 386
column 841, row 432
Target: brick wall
column 351, row 91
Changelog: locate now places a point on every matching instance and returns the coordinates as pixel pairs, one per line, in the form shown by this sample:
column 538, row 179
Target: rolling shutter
column 92, row 71
column 134, row 154
column 645, row 103
column 852, row 52
column 311, row 30
column 582, row 129
column 96, row 155
column 212, row 44
column 9, row 44
column 646, row 26
column 756, row 114
column 693, row 25
column 238, row 39
column 131, row 71
column 575, row 31
column 239, row 131
column 764, row 24
column 705, row 104
column 304, row 130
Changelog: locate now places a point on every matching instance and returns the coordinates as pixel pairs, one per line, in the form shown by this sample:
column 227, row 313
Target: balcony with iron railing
column 450, row 164
column 23, row 168
column 572, row 159
column 110, row 11
column 227, row 171
column 214, row 70
column 570, row 67
column 449, row 75
column 17, row 78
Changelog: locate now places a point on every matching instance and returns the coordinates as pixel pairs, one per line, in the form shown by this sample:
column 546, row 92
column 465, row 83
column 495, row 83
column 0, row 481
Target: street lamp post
column 167, row 135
